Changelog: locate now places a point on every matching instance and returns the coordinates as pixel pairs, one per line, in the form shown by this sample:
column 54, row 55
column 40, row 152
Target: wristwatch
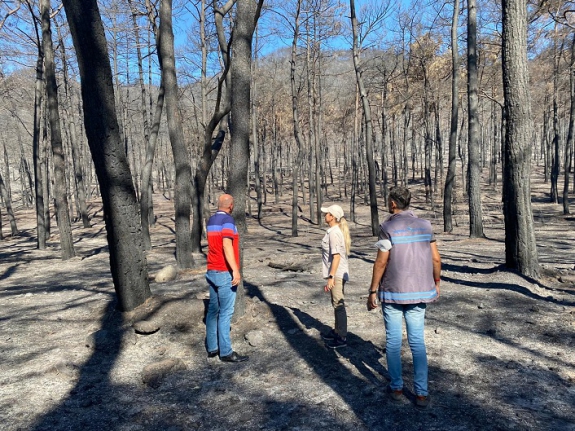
column 330, row 276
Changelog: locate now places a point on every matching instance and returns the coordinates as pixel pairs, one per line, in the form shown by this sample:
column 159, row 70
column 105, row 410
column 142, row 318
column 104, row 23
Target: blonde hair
column 343, row 226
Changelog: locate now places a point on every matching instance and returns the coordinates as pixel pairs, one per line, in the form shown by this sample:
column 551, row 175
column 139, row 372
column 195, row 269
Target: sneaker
column 336, row 343
column 329, row 336
column 422, row 401
column 234, row 357
column 395, row 394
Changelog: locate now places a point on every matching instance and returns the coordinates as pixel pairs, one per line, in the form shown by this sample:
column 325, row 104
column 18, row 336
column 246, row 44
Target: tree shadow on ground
column 214, row 397
column 510, row 287
column 82, row 409
column 365, row 393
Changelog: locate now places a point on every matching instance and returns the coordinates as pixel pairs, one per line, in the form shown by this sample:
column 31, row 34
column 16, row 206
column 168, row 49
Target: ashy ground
column 501, row 347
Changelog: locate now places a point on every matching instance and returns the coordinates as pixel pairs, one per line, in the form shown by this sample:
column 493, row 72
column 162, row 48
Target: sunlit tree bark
column 127, row 259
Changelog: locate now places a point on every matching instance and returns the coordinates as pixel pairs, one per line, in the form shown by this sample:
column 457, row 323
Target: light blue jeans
column 414, row 314
column 220, row 312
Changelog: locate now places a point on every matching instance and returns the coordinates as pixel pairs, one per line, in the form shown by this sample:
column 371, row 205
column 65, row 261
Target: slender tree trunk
column 474, row 169
column 73, row 135
column 7, row 169
column 401, row 167
column 247, row 14
column 315, row 107
column 127, row 257
column 428, row 140
column 452, row 152
column 45, row 161
column 37, row 153
column 368, row 123
column 146, row 201
column 438, row 150
column 219, row 117
column 298, row 136
column 145, row 196
column 520, row 241
column 8, row 204
column 183, row 187
column 570, row 130
column 384, row 141
column 255, row 140
column 61, row 198
column 554, row 193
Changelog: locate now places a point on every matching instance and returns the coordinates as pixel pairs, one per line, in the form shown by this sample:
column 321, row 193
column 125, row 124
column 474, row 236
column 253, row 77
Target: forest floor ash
column 501, row 347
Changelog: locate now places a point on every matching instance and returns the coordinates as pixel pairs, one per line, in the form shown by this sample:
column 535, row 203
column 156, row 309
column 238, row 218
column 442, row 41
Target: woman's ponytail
column 344, row 227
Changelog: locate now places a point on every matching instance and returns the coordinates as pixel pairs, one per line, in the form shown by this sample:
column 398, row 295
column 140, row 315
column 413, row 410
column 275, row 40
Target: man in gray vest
column 406, row 276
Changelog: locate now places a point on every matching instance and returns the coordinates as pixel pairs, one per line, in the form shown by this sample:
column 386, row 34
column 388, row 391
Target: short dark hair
column 401, row 196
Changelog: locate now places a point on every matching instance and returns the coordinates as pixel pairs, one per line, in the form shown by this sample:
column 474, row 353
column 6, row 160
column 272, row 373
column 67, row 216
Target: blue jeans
column 414, row 321
column 220, row 311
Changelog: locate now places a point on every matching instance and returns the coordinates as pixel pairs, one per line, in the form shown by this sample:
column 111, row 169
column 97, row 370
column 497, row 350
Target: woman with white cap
column 335, row 249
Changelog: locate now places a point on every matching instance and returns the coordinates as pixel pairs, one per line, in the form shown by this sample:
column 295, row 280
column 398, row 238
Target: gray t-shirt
column 331, row 244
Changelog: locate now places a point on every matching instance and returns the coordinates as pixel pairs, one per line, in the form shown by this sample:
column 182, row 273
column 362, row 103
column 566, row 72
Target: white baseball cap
column 334, row 210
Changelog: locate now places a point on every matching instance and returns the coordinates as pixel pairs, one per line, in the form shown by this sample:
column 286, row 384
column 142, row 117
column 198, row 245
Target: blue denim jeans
column 220, row 311
column 414, row 314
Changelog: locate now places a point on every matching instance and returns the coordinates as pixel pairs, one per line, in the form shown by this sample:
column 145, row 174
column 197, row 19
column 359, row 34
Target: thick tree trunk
column 520, row 241
column 60, row 195
column 474, row 169
column 183, row 187
column 127, row 258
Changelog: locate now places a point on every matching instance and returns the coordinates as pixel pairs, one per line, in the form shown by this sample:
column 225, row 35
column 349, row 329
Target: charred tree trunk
column 247, row 14
column 127, row 258
column 452, row 152
column 368, row 123
column 474, row 169
column 183, row 186
column 570, row 131
column 298, row 136
column 520, row 241
column 212, row 146
column 60, row 195
column 8, row 204
column 41, row 231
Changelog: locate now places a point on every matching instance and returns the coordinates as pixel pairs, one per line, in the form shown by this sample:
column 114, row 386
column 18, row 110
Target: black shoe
column 234, row 357
column 329, row 336
column 213, row 354
column 336, row 343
